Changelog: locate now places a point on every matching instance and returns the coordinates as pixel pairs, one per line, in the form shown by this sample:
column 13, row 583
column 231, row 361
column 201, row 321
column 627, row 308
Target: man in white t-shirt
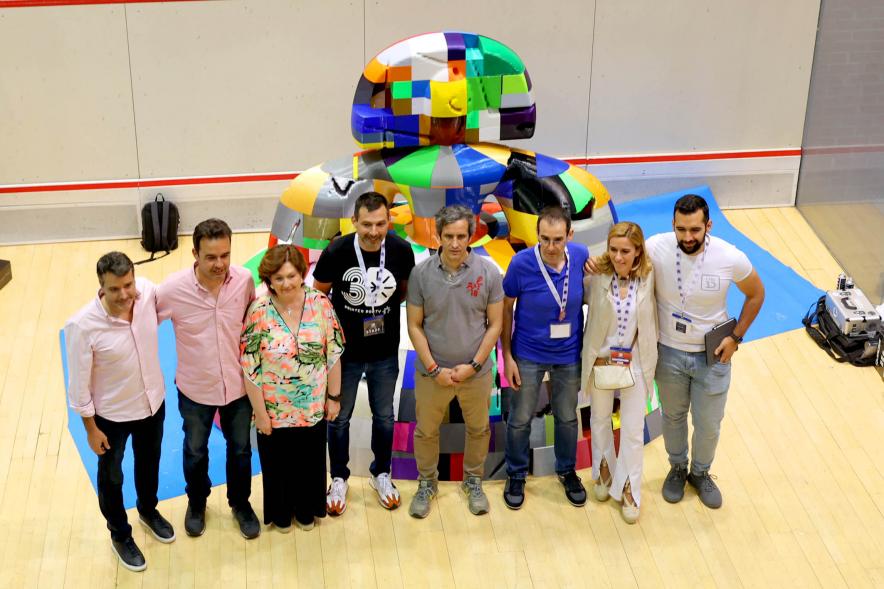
column 693, row 273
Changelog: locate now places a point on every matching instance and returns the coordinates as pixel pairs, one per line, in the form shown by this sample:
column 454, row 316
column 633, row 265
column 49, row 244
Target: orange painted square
column 457, row 70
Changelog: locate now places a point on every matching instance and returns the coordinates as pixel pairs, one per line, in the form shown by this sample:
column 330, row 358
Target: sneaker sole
column 574, row 503
column 155, row 535
column 124, row 564
column 513, row 507
column 196, row 535
column 393, row 505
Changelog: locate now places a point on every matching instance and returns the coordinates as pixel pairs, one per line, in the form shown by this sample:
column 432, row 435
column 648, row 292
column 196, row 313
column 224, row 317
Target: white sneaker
column 388, row 494
column 336, row 498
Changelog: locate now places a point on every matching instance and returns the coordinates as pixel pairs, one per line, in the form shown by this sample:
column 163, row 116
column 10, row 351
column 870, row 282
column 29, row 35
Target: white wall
column 183, row 89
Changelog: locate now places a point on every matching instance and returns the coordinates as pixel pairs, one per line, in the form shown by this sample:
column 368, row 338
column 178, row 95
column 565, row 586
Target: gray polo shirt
column 454, row 307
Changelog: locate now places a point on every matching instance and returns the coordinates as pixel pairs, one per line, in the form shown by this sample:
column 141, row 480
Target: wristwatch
column 737, row 338
column 332, row 397
column 476, row 366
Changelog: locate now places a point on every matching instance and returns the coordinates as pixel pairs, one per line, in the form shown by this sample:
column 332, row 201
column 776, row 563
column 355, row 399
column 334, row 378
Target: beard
column 693, row 248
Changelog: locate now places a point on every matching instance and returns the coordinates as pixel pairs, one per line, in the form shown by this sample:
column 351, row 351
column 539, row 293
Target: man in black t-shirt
column 367, row 275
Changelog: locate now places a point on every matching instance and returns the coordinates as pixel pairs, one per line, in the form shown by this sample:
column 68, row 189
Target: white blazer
column 600, row 316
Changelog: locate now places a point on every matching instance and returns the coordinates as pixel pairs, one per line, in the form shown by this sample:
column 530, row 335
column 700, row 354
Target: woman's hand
column 262, row 423
column 332, row 408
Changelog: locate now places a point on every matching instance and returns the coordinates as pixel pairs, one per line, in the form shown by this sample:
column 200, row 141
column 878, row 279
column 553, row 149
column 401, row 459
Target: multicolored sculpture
column 424, row 110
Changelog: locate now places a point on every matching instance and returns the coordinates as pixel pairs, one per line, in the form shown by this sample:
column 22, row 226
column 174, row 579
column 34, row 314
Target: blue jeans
column 381, row 377
column 687, row 383
column 236, row 423
column 565, row 383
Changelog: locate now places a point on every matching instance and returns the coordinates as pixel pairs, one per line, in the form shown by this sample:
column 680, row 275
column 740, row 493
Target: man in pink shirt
column 207, row 303
column 116, row 385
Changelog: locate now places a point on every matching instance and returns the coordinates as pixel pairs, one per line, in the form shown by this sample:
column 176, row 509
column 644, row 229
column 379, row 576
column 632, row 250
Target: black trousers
column 147, row 438
column 293, row 470
column 236, row 424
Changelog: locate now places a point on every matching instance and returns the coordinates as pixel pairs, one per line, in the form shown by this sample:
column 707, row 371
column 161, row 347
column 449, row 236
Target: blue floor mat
column 787, row 295
column 171, row 470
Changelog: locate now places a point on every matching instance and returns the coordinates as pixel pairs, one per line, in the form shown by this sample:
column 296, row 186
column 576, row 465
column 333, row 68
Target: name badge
column 373, row 326
column 622, row 356
column 559, row 330
column 681, row 323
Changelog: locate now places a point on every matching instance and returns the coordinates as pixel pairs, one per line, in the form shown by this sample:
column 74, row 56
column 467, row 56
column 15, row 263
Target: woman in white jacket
column 621, row 331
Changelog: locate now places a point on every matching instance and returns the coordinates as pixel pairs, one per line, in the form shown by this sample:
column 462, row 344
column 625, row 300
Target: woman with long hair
column 620, row 354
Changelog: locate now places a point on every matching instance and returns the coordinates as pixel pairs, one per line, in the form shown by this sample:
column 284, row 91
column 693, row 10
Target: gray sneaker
column 476, row 498
column 420, row 503
column 673, row 486
column 710, row 496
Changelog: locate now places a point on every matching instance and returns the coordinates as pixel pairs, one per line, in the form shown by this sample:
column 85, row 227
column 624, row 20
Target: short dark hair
column 453, row 214
column 370, row 201
column 691, row 203
column 210, row 229
column 554, row 214
column 117, row 263
column 276, row 257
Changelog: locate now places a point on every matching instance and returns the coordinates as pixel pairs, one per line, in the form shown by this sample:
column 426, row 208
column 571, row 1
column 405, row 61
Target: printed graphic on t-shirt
column 710, row 282
column 357, row 293
column 475, row 287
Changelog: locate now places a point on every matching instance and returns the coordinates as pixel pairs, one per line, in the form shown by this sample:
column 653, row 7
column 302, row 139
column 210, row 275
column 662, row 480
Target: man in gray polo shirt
column 455, row 312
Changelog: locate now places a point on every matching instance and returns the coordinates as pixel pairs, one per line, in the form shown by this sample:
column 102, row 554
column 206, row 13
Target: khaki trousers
column 431, row 403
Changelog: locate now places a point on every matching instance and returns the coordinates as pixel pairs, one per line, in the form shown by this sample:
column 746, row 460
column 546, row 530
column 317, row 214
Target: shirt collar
column 468, row 261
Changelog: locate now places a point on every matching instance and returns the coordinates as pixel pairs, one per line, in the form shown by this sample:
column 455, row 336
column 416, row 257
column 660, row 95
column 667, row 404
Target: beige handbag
column 612, row 376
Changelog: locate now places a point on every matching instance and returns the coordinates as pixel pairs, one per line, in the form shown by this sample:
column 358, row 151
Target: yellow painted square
column 448, row 99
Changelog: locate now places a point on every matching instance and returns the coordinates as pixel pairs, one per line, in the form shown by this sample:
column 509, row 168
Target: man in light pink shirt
column 116, row 385
column 207, row 303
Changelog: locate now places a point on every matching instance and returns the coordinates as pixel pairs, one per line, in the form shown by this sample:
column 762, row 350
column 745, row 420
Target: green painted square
column 499, row 59
column 401, row 90
column 492, row 91
column 475, row 95
column 516, row 84
column 316, row 244
column 579, row 194
column 473, row 119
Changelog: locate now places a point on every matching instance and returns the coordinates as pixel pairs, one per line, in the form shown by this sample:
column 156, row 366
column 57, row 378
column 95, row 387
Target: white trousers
column 627, row 465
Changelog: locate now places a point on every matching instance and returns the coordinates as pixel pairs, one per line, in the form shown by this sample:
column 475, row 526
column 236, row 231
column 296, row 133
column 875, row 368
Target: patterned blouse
column 291, row 371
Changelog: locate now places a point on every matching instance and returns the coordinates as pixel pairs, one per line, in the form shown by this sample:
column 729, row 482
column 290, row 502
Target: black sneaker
column 514, row 493
column 710, row 496
column 249, row 526
column 195, row 520
column 158, row 526
column 574, row 489
column 673, row 486
column 129, row 554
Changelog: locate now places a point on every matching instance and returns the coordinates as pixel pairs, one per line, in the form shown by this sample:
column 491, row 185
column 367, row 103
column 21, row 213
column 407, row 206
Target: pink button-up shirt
column 207, row 331
column 113, row 365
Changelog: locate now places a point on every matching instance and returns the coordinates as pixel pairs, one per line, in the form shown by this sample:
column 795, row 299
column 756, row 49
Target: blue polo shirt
column 536, row 308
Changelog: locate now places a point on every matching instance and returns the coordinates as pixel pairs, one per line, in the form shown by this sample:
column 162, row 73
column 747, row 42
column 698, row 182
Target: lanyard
column 562, row 301
column 371, row 288
column 695, row 273
column 623, row 308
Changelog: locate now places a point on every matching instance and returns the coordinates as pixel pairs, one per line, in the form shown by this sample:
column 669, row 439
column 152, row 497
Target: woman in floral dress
column 290, row 346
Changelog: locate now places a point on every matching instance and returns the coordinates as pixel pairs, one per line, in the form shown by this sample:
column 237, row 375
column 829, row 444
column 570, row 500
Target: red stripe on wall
column 683, row 157
column 148, row 183
column 38, row 3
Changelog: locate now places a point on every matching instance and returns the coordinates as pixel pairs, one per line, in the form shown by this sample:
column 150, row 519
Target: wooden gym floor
column 800, row 465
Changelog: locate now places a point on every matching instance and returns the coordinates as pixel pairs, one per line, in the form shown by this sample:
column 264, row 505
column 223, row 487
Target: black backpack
column 159, row 227
column 822, row 329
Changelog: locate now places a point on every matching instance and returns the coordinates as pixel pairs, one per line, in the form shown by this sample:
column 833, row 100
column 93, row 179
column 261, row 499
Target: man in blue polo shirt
column 547, row 281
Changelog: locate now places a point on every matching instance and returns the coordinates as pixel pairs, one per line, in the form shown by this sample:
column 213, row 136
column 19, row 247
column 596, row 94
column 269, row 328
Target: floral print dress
column 291, row 369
